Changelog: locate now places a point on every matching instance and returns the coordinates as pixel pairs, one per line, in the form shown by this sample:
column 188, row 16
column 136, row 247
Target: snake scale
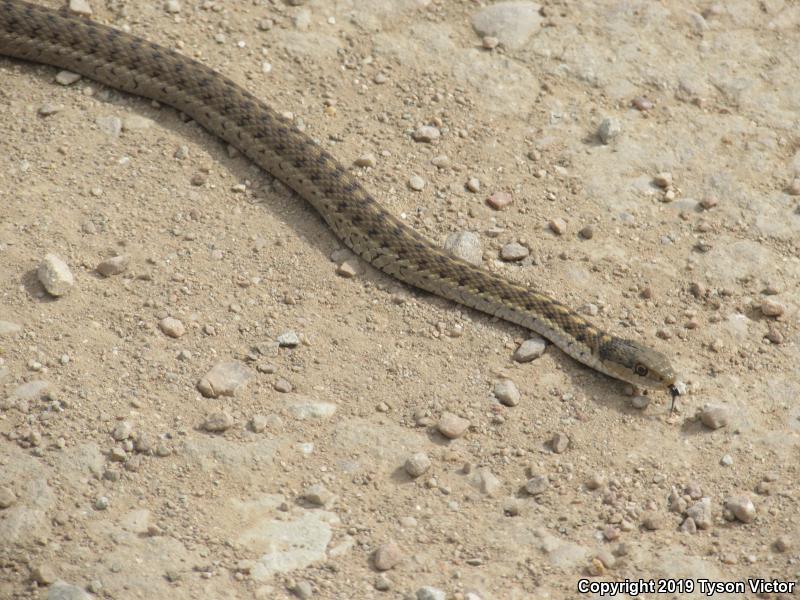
column 134, row 65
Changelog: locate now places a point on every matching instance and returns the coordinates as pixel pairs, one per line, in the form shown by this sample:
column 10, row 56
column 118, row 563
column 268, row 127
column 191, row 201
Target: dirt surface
column 669, row 129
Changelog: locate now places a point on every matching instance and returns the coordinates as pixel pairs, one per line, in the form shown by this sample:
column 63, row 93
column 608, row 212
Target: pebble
column 172, row 6
column 587, row 232
column 55, row 275
column 426, row 134
column 511, row 23
column 7, row 497
column 558, row 226
column 529, row 350
column 663, row 180
column 770, row 308
column 109, row 125
column 473, row 185
column 513, row 252
column 466, row 246
column 387, row 556
column 101, row 503
column 258, row 424
column 490, row 42
column 416, row 183
column 715, row 416
column 113, row 266
column 171, row 327
column 499, row 200
column 383, row 583
column 783, row 543
column 559, row 443
column 67, row 77
column 43, row 574
column 487, row 482
column 348, row 269
column 506, row 392
column 742, row 508
column 122, row 431
column 218, row 422
column 640, row 402
column 225, row 378
column 610, row 128
column 46, row 110
column 289, row 339
column 440, row 162
column 430, row 593
column 80, row 7
column 700, row 513
column 319, row 495
column 595, row 481
column 283, row 386
column 536, row 485
column 688, row 526
column 61, row 590
column 366, row 160
column 794, row 187
column 726, row 460
column 417, row 464
column 452, row 426
column 303, row 590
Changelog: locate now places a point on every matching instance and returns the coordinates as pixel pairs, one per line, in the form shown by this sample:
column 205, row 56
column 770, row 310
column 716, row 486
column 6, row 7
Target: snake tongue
column 674, row 392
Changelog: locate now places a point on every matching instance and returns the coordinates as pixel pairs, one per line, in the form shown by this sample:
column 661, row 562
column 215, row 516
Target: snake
column 134, row 65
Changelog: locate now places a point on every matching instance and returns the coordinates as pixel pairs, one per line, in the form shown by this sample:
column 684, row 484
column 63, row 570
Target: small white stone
column 742, row 508
column 80, row 7
column 529, row 350
column 466, row 246
column 506, row 392
column 417, row 464
column 67, row 77
column 55, row 275
column 172, row 327
column 609, row 129
column 426, row 134
column 416, row 183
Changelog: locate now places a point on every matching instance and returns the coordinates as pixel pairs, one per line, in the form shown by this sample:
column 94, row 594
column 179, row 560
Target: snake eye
column 640, row 370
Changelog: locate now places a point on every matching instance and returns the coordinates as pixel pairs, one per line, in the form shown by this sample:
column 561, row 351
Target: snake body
column 137, row 66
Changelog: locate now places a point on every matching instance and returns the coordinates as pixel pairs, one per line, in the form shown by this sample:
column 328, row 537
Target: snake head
column 637, row 364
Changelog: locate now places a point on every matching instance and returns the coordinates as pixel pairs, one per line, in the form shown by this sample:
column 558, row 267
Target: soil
column 651, row 151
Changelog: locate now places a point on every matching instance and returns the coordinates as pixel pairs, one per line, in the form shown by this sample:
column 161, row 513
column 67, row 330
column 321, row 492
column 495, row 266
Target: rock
column 417, row 464
column 487, row 482
column 663, row 180
column 7, row 497
column 171, row 327
column 742, row 508
column 43, row 574
column 122, row 431
column 559, row 443
column 258, row 424
column 426, row 134
column 111, row 126
column 55, row 275
column 452, row 426
column 558, row 226
column 303, row 590
column 80, row 7
column 609, row 130
column 319, row 495
column 499, row 200
column 226, row 378
column 113, row 266
column 714, row 416
column 512, row 23
column 513, row 252
column 506, row 392
column 536, row 485
column 218, row 422
column 303, row 408
column 366, row 160
column 466, row 246
column 66, row 77
column 700, row 513
column 387, row 556
column 783, row 543
column 430, row 593
column 289, row 339
column 473, row 185
column 61, row 590
column 529, row 350
column 416, row 183
column 770, row 308
column 688, row 526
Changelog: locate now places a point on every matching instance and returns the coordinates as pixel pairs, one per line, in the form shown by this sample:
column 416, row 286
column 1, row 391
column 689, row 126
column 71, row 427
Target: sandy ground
column 120, row 479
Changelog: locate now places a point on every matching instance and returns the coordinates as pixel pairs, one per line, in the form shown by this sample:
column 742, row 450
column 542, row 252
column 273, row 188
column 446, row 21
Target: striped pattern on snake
column 134, row 65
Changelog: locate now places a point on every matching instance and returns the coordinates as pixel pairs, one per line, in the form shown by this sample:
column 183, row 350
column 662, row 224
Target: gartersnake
column 134, row 65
